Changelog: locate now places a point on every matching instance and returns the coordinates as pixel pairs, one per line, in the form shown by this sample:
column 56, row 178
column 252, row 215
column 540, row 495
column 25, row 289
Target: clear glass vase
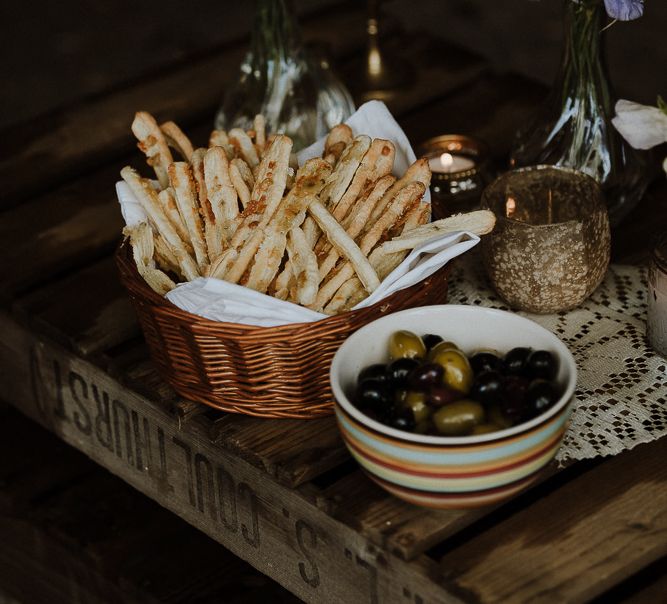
column 573, row 129
column 297, row 94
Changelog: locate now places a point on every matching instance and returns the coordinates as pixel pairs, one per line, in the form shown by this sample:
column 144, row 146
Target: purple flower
column 624, row 10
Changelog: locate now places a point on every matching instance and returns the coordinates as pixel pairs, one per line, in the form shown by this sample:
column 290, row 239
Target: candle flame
column 446, row 160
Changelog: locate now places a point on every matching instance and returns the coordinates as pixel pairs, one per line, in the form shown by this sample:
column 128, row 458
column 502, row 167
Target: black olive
column 486, row 361
column 430, row 340
column 440, row 395
column 542, row 364
column 425, row 376
column 403, row 419
column 373, row 372
column 399, row 370
column 374, row 395
column 540, row 395
column 513, row 402
column 515, row 361
column 487, row 387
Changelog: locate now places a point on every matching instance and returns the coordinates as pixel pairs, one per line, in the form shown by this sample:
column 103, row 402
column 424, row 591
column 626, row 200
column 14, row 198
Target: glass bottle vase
column 573, row 128
column 298, row 95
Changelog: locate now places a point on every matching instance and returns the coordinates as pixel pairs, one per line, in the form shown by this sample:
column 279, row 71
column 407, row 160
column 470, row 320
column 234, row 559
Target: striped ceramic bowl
column 451, row 472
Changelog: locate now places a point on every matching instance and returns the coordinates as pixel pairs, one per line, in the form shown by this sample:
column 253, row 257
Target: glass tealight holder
column 656, row 314
column 460, row 169
column 550, row 247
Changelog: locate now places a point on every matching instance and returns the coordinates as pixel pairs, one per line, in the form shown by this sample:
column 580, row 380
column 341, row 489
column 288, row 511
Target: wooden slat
column 293, row 451
column 59, row 146
column 74, row 225
column 576, row 542
column 404, row 529
column 98, row 540
column 277, row 529
column 88, row 311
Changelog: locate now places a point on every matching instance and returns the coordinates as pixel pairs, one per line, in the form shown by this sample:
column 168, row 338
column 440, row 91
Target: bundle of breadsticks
column 323, row 235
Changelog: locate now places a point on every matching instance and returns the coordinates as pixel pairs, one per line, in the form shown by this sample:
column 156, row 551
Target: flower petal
column 624, row 10
column 642, row 126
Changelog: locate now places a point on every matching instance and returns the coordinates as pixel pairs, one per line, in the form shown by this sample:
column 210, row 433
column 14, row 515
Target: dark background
column 54, row 53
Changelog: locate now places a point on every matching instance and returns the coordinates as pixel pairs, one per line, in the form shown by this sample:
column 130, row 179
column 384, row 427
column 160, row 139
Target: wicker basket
column 279, row 372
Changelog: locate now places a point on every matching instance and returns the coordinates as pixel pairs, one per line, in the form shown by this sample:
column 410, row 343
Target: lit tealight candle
column 450, row 164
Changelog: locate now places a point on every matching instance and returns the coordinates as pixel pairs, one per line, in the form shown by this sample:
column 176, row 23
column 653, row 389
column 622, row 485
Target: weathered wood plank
column 403, row 529
column 576, row 542
column 98, row 540
column 88, row 311
column 292, row 451
column 52, row 149
column 275, row 528
column 72, row 226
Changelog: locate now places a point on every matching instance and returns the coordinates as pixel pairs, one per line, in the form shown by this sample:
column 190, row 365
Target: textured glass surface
column 298, row 95
column 574, row 128
column 550, row 247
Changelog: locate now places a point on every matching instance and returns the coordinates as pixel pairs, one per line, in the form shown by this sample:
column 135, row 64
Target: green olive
column 405, row 344
column 495, row 416
column 458, row 418
column 486, row 428
column 417, row 402
column 458, row 373
column 422, row 427
column 440, row 347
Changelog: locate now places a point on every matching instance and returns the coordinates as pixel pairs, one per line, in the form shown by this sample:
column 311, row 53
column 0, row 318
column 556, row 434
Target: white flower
column 642, row 126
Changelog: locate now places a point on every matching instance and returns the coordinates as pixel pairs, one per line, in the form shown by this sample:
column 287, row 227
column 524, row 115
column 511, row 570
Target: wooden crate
column 280, row 494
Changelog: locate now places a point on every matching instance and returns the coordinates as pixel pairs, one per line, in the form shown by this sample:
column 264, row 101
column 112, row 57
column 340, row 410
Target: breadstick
column 344, row 171
column 141, row 240
column 479, row 222
column 419, row 171
column 338, row 138
column 407, row 197
column 148, row 198
column 304, row 267
column 345, row 245
column 153, row 143
column 357, row 220
column 168, row 203
column 267, row 194
column 183, row 183
column 242, row 179
column 259, row 123
column 290, row 213
column 244, row 147
column 177, row 140
column 221, row 192
column 376, row 163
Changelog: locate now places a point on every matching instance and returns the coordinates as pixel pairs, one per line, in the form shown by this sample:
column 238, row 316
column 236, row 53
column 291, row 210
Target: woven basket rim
column 125, row 260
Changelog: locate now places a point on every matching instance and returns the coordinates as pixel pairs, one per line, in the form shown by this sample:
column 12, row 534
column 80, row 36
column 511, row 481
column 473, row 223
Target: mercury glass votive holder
column 551, row 244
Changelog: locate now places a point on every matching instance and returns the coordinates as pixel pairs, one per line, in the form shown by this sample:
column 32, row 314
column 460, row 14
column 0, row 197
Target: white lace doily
column 621, row 396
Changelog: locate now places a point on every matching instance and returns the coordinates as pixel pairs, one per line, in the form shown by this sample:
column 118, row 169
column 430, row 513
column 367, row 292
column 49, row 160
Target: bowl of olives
column 453, row 406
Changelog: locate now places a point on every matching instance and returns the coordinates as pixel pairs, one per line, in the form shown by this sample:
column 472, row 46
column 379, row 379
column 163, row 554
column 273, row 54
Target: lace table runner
column 621, row 396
